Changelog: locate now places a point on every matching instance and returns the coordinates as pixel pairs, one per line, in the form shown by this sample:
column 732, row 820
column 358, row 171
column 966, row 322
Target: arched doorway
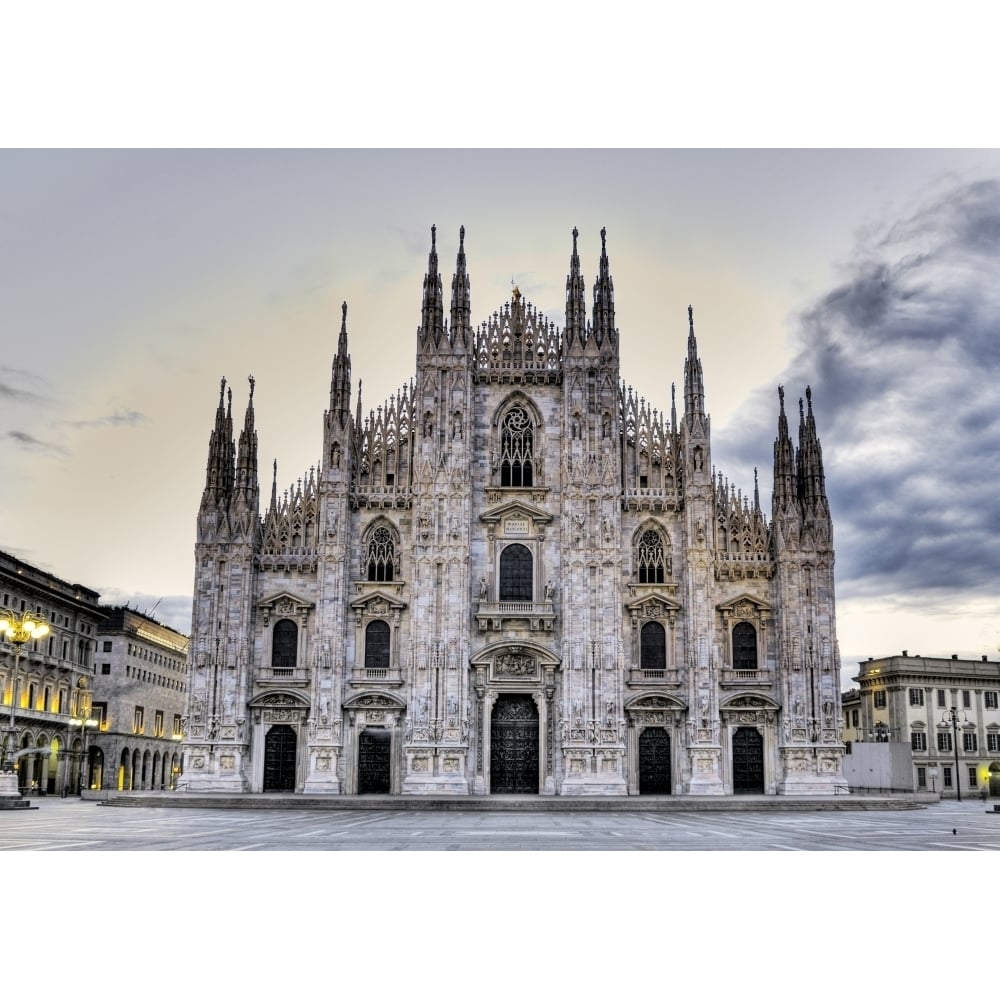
column 280, row 747
column 374, row 761
column 654, row 762
column 748, row 761
column 514, row 745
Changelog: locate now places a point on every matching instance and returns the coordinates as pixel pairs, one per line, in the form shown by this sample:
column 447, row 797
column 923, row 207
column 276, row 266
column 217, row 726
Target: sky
column 131, row 281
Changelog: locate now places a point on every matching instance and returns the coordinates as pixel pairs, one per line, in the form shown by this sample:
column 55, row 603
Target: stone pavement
column 80, row 825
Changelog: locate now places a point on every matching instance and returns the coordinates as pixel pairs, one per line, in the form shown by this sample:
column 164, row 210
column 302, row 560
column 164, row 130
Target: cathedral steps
column 513, row 803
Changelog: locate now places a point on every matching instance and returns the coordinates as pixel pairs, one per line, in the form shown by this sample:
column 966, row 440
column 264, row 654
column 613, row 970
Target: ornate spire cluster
column 651, row 450
column 289, row 528
column 383, row 461
column 799, row 480
column 743, row 538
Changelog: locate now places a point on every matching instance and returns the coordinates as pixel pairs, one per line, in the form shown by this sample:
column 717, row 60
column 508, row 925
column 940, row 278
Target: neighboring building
column 850, row 706
column 140, row 688
column 514, row 576
column 911, row 698
column 53, row 679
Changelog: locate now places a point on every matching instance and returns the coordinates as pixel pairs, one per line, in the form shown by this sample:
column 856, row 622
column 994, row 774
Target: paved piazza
column 72, row 825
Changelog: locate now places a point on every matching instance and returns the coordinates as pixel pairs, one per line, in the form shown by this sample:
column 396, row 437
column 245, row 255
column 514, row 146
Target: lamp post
column 17, row 629
column 880, row 734
column 85, row 724
column 952, row 716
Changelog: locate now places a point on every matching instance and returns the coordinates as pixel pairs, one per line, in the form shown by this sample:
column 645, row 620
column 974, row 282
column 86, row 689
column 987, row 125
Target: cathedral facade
column 514, row 576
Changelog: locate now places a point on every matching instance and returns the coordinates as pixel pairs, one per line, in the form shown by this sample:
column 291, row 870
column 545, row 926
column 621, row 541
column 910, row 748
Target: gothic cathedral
column 514, row 576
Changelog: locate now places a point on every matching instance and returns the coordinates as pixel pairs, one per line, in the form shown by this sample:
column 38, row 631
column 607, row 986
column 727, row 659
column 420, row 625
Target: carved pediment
column 374, row 699
column 744, row 701
column 654, row 703
column 516, row 510
column 285, row 604
column 377, row 603
column 280, row 699
column 652, row 606
column 513, row 655
column 745, row 606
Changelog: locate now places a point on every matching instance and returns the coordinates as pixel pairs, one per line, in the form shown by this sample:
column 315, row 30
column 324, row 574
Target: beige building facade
column 47, row 685
column 139, row 697
column 514, row 576
column 946, row 709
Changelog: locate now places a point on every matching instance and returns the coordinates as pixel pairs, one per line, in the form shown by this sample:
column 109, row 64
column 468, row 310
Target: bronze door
column 279, row 759
column 654, row 762
column 748, row 762
column 374, row 754
column 514, row 745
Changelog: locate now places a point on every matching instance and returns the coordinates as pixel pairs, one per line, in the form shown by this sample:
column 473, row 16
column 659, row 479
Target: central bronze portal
column 654, row 762
column 514, row 746
column 279, row 759
column 374, row 754
column 748, row 762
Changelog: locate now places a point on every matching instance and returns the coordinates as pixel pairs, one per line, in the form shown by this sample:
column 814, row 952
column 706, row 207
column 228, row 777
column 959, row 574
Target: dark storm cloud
column 904, row 359
column 120, row 418
column 31, row 443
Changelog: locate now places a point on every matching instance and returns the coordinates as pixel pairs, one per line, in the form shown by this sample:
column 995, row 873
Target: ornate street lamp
column 952, row 716
column 84, row 724
column 17, row 629
column 880, row 733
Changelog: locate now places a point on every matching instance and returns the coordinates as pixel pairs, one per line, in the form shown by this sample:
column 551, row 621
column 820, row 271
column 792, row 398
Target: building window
column 381, row 555
column 942, row 699
column 993, row 742
column 854, row 718
column 653, row 647
column 970, row 743
column 105, row 669
column 284, row 643
column 946, row 776
column 517, row 442
column 990, row 699
column 516, row 582
column 744, row 647
column 880, row 699
column 944, row 742
column 177, row 731
column 99, row 713
column 138, row 723
column 107, row 646
column 158, row 724
column 972, row 777
column 916, row 696
column 921, row 777
column 650, row 561
column 377, row 646
column 966, row 700
column 918, row 741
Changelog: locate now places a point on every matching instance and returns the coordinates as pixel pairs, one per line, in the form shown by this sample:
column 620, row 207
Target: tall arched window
column 650, row 559
column 516, row 576
column 744, row 647
column 377, row 645
column 653, row 647
column 381, row 555
column 284, row 643
column 517, row 442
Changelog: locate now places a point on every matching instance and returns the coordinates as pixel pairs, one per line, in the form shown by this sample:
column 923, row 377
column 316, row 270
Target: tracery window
column 650, row 559
column 516, row 573
column 517, row 441
column 744, row 647
column 381, row 555
column 284, row 643
column 653, row 647
column 377, row 645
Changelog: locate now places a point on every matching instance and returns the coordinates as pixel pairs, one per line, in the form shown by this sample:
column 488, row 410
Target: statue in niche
column 456, row 427
column 428, row 425
column 550, row 590
column 575, row 428
column 606, row 426
column 483, row 588
column 335, row 455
